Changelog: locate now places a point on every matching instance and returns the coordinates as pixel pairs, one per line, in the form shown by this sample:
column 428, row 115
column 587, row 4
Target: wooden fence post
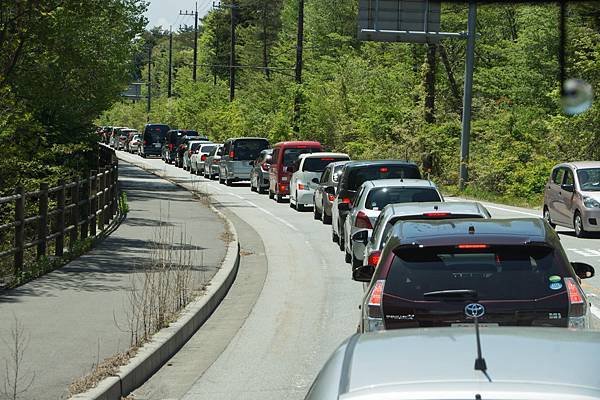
column 74, row 213
column 101, row 201
column 106, row 198
column 42, row 235
column 19, row 231
column 93, row 201
column 59, row 244
column 85, row 217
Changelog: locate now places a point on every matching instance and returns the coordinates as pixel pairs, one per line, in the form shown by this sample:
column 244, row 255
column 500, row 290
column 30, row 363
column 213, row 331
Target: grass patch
column 475, row 193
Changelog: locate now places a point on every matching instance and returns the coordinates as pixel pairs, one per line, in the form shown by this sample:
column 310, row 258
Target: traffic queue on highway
column 434, row 272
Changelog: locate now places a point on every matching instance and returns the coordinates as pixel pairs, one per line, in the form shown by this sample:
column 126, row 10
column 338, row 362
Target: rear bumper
column 305, row 197
column 152, row 151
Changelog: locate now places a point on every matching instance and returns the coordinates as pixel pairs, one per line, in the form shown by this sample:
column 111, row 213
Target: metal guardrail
column 81, row 209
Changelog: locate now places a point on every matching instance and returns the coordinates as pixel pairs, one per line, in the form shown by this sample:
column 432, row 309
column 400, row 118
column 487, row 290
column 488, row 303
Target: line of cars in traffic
column 431, row 270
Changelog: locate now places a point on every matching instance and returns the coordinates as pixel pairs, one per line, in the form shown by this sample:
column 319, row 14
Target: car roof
column 252, row 138
column 580, row 164
column 515, row 231
column 453, row 207
column 364, row 163
column 323, row 154
column 554, row 360
column 297, row 143
column 399, row 182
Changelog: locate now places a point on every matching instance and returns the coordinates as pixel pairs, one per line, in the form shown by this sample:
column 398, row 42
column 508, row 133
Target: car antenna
column 480, row 364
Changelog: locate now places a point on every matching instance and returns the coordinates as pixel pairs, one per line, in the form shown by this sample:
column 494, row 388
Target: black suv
column 448, row 272
column 354, row 174
column 153, row 140
column 173, row 140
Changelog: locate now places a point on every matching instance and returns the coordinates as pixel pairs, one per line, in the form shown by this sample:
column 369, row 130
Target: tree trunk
column 453, row 86
column 430, row 84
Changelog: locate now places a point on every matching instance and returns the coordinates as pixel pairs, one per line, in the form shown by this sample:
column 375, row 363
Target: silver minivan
column 572, row 197
column 237, row 155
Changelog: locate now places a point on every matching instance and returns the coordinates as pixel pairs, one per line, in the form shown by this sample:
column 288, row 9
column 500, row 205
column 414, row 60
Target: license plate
column 156, row 144
column 471, row 325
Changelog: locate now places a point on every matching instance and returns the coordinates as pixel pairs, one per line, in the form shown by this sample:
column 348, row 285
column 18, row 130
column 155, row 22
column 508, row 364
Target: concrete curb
column 164, row 344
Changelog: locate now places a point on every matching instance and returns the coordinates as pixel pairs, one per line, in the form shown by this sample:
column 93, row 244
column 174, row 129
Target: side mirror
column 315, row 180
column 330, row 190
column 364, row 273
column 361, row 236
column 567, row 187
column 583, row 270
column 344, row 206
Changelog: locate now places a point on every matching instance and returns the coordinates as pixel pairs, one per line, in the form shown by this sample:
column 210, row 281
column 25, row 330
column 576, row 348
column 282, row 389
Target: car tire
column 228, row 182
column 356, row 262
column 324, row 217
column 260, row 190
column 547, row 217
column 279, row 198
column 341, row 241
column 578, row 225
column 299, row 207
column 271, row 195
column 347, row 257
column 221, row 181
column 334, row 236
column 316, row 213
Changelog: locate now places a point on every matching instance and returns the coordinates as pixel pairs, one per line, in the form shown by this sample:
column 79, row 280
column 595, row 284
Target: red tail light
column 346, row 200
column 203, row 157
column 301, row 186
column 473, row 246
column 384, row 169
column 282, row 187
column 265, row 167
column 331, row 197
column 575, row 296
column 377, row 294
column 577, row 304
column 436, row 214
column 374, row 257
column 231, row 154
column 363, row 221
column 171, row 146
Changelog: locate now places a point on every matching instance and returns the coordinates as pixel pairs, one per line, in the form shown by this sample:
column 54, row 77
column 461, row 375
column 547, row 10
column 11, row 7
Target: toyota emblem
column 474, row 310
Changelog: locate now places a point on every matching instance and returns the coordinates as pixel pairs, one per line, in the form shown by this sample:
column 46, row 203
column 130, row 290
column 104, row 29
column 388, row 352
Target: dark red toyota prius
column 449, row 272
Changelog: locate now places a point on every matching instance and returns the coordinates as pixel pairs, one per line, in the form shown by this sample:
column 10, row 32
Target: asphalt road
column 308, row 303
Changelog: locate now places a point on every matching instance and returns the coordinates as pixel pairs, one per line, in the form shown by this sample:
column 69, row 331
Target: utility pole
column 149, row 107
column 467, row 96
column 299, row 53
column 232, row 57
column 195, row 15
column 170, row 61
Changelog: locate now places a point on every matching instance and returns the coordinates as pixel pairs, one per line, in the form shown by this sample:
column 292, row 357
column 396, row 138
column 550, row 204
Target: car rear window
column 249, row 149
column 319, row 164
column 381, row 197
column 195, row 146
column 529, row 272
column 357, row 176
column 207, row 149
column 291, row 154
column 156, row 133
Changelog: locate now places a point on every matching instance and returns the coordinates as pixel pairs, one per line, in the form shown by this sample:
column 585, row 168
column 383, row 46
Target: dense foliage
column 62, row 63
column 368, row 99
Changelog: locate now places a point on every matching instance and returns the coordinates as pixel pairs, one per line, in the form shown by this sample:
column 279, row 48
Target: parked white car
column 308, row 169
column 199, row 156
column 371, row 199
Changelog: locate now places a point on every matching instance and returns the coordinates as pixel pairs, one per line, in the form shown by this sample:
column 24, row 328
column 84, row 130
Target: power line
column 195, row 15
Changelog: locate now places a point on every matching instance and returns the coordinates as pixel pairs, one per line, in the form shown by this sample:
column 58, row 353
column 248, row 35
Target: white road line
column 292, row 227
column 596, row 311
column 238, row 196
column 216, row 187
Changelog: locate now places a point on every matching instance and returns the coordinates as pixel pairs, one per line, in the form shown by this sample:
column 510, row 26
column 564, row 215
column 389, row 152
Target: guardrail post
column 100, row 188
column 59, row 244
column 85, row 217
column 106, row 198
column 115, row 193
column 74, row 213
column 19, row 231
column 93, row 201
column 42, row 221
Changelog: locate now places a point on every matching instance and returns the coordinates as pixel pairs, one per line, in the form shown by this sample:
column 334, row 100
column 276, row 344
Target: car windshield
column 589, row 179
column 249, row 149
column 531, row 272
column 319, row 164
column 359, row 175
column 381, row 197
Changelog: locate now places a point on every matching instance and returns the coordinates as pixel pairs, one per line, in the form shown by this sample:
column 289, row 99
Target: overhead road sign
column 416, row 21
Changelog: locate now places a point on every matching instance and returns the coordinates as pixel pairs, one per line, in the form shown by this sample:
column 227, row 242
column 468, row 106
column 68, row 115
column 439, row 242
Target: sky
column 166, row 12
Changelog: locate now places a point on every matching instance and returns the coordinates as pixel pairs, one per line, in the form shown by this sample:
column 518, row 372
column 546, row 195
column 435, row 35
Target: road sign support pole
column 468, row 96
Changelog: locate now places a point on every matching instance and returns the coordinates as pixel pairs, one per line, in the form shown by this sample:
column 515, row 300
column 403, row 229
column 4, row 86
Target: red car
column 280, row 172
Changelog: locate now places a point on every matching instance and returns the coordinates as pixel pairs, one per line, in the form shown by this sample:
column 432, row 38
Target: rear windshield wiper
column 452, row 295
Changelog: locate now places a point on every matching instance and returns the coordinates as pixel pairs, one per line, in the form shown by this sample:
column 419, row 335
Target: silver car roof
column 324, row 154
column 439, row 364
column 398, row 182
column 454, row 207
column 580, row 164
